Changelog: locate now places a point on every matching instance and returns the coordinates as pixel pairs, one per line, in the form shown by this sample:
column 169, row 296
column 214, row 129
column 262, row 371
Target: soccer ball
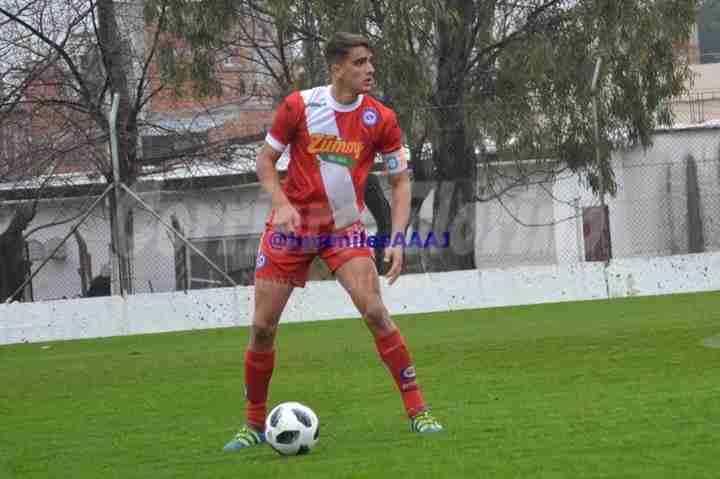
column 292, row 428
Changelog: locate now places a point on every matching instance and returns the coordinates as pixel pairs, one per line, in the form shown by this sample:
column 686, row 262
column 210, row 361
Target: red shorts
column 287, row 257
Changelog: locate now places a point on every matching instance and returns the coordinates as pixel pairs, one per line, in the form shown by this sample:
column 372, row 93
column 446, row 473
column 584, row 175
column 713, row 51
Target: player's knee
column 376, row 314
column 264, row 333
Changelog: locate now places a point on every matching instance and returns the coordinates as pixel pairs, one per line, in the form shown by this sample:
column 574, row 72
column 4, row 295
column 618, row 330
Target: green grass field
column 624, row 389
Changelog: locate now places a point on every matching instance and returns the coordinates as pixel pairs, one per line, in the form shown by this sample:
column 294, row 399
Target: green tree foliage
column 518, row 75
column 460, row 73
column 203, row 28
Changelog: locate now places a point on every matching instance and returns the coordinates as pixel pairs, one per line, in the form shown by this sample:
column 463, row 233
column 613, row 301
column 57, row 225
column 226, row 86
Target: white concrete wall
column 225, row 307
column 688, row 273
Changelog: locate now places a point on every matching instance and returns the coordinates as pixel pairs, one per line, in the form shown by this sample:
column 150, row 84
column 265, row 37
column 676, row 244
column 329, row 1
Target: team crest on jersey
column 261, row 260
column 370, row 116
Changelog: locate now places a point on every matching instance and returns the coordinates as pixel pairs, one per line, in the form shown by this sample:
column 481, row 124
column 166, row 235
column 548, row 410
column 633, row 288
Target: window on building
column 235, row 255
column 709, row 31
column 160, row 148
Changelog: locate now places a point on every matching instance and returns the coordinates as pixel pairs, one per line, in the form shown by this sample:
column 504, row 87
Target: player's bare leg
column 360, row 279
column 271, row 297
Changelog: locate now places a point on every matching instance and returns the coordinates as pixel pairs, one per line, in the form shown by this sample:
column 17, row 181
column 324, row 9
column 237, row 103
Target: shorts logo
column 261, row 260
column 408, row 373
column 370, row 116
column 393, row 162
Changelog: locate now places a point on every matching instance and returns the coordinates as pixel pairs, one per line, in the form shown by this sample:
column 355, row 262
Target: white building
column 702, row 101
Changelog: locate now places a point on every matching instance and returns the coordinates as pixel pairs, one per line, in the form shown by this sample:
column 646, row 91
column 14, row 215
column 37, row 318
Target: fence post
column 579, row 231
column 118, row 226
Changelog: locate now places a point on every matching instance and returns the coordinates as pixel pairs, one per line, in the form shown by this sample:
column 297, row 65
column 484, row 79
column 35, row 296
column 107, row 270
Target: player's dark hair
column 340, row 44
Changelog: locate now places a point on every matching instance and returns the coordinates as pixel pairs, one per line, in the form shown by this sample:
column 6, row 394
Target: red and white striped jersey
column 332, row 150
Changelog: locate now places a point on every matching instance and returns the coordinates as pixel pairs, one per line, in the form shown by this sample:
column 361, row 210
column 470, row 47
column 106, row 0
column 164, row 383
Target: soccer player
column 333, row 134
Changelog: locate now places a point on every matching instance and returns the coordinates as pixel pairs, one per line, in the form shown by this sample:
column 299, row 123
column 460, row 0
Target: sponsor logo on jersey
column 332, row 145
column 341, row 160
column 370, row 116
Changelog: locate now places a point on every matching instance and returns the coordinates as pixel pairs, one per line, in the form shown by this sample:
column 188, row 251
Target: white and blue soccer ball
column 292, row 428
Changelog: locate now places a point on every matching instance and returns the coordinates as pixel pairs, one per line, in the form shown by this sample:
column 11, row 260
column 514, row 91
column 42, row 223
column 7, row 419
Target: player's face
column 356, row 72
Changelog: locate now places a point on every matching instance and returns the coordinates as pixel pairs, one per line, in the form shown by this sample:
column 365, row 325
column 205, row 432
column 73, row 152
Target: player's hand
column 394, row 256
column 287, row 219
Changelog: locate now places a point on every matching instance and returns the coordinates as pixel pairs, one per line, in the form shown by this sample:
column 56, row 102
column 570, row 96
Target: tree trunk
column 117, row 64
column 674, row 249
column 422, row 186
column 696, row 238
column 313, row 67
column 454, row 158
column 182, row 279
column 453, row 218
column 85, row 269
column 13, row 258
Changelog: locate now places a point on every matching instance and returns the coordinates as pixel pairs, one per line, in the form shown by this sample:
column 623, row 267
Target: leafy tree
column 463, row 74
column 78, row 53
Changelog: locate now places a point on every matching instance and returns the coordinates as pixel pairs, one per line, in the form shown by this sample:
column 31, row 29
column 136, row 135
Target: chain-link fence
column 667, row 202
column 669, row 199
column 222, row 222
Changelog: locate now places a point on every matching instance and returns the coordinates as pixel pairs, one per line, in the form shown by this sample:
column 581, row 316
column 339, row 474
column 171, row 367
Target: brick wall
column 250, row 115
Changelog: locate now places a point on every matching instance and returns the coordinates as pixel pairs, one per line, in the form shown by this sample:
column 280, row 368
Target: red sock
column 396, row 357
column 258, row 371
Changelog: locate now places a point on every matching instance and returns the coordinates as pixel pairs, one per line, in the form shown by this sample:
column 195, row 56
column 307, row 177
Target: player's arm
column 286, row 217
column 281, row 134
column 400, row 203
column 400, row 207
column 396, row 163
column 268, row 175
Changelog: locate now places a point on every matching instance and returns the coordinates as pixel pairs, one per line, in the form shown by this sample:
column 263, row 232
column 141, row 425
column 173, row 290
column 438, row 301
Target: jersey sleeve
column 285, row 123
column 390, row 146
